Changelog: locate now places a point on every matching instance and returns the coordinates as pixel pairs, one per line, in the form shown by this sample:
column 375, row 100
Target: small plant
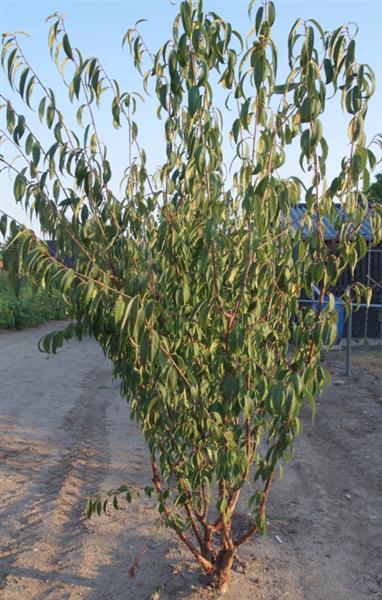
column 190, row 279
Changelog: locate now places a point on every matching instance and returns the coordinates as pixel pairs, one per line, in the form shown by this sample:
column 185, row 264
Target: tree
column 375, row 190
column 190, row 279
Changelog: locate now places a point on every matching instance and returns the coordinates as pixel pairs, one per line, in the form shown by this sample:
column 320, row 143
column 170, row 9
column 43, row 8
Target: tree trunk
column 220, row 578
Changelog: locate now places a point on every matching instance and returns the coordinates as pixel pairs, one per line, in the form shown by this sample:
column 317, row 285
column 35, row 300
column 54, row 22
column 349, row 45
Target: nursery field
column 66, row 433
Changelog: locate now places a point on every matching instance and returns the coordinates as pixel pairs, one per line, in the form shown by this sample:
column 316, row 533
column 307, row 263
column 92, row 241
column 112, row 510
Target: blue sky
column 97, row 28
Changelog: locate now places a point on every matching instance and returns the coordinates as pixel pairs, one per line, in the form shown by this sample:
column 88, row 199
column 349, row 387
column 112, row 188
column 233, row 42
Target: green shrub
column 27, row 307
column 190, row 276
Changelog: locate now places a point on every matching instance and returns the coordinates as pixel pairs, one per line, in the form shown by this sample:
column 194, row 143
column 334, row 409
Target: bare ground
column 65, row 433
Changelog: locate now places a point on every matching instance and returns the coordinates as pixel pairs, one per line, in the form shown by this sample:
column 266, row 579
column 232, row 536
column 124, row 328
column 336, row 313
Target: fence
column 365, row 310
column 349, row 337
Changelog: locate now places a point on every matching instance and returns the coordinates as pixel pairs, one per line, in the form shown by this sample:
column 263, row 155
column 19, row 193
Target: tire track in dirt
column 47, row 520
column 334, row 488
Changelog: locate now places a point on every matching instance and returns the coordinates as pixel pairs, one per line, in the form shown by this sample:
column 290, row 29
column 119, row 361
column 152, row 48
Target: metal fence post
column 348, row 344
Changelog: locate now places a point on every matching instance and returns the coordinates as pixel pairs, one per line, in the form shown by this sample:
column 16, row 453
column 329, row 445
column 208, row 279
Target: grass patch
column 28, row 307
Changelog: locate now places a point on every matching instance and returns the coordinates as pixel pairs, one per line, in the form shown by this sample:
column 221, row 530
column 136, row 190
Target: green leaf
column 67, row 280
column 131, row 308
column 193, row 100
column 41, row 108
column 57, row 341
column 285, row 88
column 75, row 86
column 79, row 115
column 56, row 189
column 11, row 61
column 185, row 12
column 106, row 171
column 44, row 344
column 271, row 13
column 89, row 508
column 119, row 309
column 260, row 67
column 19, row 187
column 259, row 18
column 36, row 153
column 3, row 224
column 328, row 67
column 11, row 118
column 23, row 79
column 84, row 213
column 29, row 90
column 66, row 46
column 29, row 144
column 50, row 115
column 154, row 348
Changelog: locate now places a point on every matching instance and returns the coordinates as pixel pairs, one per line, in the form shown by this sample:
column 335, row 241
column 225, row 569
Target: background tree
column 375, row 190
column 190, row 279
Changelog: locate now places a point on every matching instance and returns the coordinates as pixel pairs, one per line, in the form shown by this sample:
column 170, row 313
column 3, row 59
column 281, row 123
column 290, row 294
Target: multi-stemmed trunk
column 214, row 544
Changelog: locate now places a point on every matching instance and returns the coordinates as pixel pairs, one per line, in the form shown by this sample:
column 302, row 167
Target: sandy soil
column 65, row 433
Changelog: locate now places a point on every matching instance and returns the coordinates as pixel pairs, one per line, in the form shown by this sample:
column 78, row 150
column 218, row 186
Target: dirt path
column 65, row 433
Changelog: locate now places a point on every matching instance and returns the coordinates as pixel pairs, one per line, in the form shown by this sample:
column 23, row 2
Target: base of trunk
column 221, row 576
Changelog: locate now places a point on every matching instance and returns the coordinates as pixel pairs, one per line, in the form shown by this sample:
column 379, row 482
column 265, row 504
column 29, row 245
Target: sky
column 97, row 28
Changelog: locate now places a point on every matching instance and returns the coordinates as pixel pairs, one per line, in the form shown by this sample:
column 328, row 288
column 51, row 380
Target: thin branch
column 204, row 563
column 254, row 529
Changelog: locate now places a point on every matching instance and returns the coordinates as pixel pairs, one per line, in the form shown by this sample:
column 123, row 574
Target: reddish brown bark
column 221, row 577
